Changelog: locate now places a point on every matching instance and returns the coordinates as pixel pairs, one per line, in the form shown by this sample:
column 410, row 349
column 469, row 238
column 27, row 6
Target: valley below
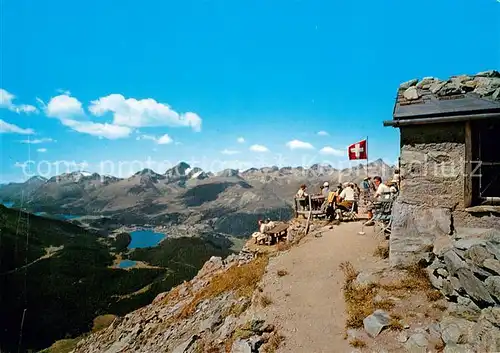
column 80, row 245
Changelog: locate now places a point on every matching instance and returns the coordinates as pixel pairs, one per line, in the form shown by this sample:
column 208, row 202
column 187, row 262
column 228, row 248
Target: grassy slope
column 65, row 292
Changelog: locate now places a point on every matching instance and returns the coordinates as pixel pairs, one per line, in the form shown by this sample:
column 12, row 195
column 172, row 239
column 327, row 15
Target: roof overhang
column 440, row 119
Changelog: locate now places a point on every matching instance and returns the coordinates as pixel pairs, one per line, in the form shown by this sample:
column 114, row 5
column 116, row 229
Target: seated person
column 392, row 188
column 261, row 235
column 347, row 198
column 383, row 192
column 301, row 193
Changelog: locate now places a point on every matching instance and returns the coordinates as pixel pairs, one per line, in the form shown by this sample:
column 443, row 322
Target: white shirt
column 301, row 193
column 383, row 191
column 347, row 194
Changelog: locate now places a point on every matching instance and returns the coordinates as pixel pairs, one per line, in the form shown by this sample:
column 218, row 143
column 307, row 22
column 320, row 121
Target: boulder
column 494, row 249
column 455, row 330
column 467, row 243
column 465, row 308
column 442, row 272
column 366, row 278
column 474, row 287
column 414, row 231
column 408, row 84
column 492, row 285
column 492, row 315
column 492, row 265
column 485, row 336
column 411, row 93
column 489, row 73
column 374, row 323
column 241, row 346
column 417, row 343
column 477, row 254
column 453, row 262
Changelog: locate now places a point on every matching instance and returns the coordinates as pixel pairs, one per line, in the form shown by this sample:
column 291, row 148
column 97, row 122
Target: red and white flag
column 357, row 150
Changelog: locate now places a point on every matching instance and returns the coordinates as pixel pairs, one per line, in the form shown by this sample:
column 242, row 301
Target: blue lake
column 126, row 263
column 8, row 204
column 145, row 239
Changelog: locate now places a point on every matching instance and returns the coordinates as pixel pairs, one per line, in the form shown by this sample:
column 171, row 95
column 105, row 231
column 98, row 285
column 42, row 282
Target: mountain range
column 186, row 201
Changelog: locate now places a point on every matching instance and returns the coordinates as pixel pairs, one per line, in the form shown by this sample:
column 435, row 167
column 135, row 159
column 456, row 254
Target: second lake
column 145, row 239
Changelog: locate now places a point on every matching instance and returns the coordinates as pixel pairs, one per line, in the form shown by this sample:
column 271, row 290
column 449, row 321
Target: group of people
column 346, row 197
column 261, row 236
column 343, row 199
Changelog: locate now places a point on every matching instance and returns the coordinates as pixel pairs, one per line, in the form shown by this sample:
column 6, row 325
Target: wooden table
column 279, row 231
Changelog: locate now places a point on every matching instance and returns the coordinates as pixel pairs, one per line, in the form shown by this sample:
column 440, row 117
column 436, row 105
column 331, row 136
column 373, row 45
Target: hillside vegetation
column 68, row 280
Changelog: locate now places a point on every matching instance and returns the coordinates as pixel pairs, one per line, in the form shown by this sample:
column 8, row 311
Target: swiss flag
column 357, row 150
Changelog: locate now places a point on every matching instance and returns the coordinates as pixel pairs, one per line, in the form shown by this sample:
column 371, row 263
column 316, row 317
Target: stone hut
column 449, row 161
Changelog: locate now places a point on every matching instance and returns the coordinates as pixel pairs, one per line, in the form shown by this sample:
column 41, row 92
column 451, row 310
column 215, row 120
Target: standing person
column 396, row 178
column 326, row 189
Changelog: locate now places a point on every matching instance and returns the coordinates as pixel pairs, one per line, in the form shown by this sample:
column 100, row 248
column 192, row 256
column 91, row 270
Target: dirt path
column 307, row 303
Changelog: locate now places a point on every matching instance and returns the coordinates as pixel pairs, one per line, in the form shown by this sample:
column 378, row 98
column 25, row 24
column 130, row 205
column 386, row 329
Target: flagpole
column 367, row 156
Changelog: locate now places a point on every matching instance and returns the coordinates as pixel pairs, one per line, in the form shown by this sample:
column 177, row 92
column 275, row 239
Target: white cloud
column 299, row 145
column 162, row 140
column 323, row 133
column 229, row 152
column 64, row 107
column 38, row 141
column 108, row 131
column 240, row 140
column 141, row 113
column 6, row 101
column 332, row 151
column 42, row 150
column 6, row 128
column 259, row 148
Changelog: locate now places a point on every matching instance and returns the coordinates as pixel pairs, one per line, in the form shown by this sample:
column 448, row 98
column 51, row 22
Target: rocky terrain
column 467, row 271
column 184, row 201
column 214, row 312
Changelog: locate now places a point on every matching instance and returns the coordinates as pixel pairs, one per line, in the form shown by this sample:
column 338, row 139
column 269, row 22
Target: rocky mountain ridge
column 184, row 201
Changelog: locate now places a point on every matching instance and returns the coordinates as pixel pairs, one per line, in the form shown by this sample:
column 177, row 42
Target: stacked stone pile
column 467, row 272
column 484, row 84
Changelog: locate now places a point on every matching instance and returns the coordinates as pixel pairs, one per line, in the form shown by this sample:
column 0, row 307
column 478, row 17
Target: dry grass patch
column 434, row 295
column 282, row 273
column 359, row 299
column 274, row 343
column 265, row 301
column 395, row 324
column 385, row 304
column 415, row 279
column 102, row 322
column 240, row 279
column 283, row 246
column 357, row 343
column 382, row 251
column 439, row 306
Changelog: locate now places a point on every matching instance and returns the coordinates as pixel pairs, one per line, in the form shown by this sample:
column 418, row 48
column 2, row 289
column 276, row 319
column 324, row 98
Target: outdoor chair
column 351, row 215
column 382, row 216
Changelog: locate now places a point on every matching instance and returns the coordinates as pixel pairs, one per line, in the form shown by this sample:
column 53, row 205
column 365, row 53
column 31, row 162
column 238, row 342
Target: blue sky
column 125, row 81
